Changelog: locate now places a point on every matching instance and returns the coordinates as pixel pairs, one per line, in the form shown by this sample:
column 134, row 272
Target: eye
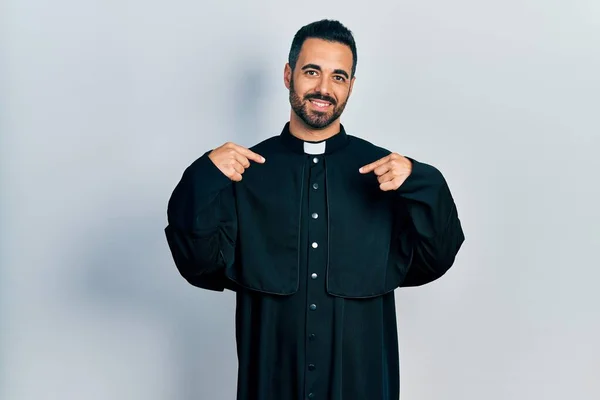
column 339, row 78
column 311, row 72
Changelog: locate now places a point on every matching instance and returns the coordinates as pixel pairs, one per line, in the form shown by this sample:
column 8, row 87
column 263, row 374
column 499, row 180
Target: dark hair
column 326, row 29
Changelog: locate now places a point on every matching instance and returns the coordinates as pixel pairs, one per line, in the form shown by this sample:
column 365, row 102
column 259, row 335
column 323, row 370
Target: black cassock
column 313, row 250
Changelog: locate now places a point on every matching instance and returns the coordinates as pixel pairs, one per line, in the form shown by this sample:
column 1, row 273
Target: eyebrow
column 318, row 68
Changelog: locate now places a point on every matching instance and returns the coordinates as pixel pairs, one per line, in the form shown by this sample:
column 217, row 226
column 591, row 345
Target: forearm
column 436, row 233
column 193, row 204
column 202, row 223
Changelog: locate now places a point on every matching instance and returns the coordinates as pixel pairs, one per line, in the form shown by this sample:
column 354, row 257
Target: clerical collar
column 327, row 146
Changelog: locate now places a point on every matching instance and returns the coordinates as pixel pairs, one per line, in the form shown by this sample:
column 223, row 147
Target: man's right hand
column 232, row 160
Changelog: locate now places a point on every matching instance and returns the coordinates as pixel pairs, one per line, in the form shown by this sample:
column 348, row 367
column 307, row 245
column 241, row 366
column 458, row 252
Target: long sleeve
column 202, row 225
column 435, row 233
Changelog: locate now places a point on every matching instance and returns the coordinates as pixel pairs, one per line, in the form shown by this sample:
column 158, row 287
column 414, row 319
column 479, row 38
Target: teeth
column 320, row 104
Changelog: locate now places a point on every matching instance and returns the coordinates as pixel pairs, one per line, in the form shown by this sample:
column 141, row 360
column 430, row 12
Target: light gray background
column 104, row 103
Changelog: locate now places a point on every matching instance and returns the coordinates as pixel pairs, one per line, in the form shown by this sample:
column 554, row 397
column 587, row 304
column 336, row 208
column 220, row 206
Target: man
column 314, row 229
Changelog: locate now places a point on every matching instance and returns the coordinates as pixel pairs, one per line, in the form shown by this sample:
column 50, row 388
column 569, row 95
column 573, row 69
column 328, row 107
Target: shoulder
column 267, row 146
column 364, row 149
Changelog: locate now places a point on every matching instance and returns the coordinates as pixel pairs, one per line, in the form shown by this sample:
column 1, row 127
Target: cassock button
column 314, row 275
column 311, row 367
column 315, row 186
column 315, row 215
column 312, row 337
column 315, row 245
column 315, row 160
column 313, row 307
column 311, row 395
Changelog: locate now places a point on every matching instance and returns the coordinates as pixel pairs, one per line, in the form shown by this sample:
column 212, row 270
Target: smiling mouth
column 320, row 104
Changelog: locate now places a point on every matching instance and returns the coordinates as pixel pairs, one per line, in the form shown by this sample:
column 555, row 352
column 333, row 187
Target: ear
column 287, row 75
column 351, row 85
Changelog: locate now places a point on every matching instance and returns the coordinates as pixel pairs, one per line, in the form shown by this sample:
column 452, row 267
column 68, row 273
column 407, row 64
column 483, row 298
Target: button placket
column 316, row 259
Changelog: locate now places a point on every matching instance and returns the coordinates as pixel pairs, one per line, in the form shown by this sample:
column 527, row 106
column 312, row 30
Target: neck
column 303, row 132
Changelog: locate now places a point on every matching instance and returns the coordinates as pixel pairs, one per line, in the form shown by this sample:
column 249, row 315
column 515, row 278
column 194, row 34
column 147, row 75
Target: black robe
column 314, row 251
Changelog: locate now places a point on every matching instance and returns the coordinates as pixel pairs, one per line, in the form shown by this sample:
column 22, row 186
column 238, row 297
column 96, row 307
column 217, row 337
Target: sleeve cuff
column 210, row 179
column 422, row 176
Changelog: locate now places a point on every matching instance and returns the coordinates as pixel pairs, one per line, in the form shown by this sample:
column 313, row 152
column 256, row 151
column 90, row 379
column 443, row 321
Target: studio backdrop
column 104, row 104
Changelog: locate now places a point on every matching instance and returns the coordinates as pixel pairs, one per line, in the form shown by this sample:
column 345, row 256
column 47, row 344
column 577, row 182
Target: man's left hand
column 391, row 171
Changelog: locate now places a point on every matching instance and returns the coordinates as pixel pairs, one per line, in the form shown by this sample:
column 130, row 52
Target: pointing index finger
column 370, row 167
column 251, row 155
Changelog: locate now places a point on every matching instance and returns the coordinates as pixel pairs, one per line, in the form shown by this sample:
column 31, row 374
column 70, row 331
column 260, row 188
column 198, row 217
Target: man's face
column 320, row 83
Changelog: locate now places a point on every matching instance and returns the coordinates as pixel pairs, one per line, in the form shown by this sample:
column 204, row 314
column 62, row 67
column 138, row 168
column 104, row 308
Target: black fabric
column 326, row 336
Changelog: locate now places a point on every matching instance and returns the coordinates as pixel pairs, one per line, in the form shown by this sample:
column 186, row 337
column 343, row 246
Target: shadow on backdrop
column 123, row 271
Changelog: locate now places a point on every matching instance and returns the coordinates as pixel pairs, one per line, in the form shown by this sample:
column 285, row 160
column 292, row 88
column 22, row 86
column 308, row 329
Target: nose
column 324, row 86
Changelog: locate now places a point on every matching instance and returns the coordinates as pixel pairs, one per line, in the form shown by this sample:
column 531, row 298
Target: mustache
column 320, row 97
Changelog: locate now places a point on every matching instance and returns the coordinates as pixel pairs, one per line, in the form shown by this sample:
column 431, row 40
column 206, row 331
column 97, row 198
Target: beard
column 312, row 118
